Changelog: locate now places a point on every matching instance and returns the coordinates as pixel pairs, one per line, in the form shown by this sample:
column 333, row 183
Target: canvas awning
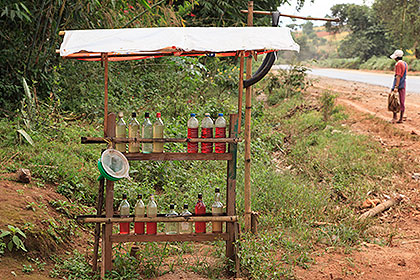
column 139, row 43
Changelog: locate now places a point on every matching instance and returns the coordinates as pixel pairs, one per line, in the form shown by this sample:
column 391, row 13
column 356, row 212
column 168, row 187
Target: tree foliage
column 402, row 18
column 368, row 36
column 29, row 36
column 228, row 13
column 29, row 32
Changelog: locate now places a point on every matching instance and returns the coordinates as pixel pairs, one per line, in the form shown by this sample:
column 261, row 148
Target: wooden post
column 99, row 205
column 247, row 187
column 231, row 187
column 105, row 61
column 241, row 88
column 109, row 210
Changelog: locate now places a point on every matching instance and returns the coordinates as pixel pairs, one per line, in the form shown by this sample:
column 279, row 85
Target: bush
column 350, row 63
column 414, row 65
column 378, row 63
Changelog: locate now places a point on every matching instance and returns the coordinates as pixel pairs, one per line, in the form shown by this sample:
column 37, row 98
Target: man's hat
column 397, row 53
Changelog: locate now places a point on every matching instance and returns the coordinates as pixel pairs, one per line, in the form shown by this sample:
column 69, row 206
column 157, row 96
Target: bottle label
column 220, row 148
column 139, row 228
column 200, row 209
column 206, row 147
column 193, row 132
column 151, row 228
column 192, row 147
column 220, row 132
column 185, row 227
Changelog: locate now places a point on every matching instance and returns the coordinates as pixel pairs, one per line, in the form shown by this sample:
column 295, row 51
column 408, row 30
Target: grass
column 306, row 168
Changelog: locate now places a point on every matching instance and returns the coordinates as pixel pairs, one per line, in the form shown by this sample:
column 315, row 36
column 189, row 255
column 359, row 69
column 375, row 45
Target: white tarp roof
column 177, row 39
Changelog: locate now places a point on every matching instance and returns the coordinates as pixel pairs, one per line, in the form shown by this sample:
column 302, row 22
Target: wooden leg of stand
column 99, row 206
column 109, row 210
column 237, row 261
column 231, row 188
column 107, row 232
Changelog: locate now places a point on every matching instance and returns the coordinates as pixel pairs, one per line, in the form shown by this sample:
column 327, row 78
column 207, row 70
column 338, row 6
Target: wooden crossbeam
column 291, row 16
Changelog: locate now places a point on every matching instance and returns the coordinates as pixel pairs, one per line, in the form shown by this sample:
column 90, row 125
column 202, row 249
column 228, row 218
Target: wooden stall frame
column 230, row 218
column 107, row 221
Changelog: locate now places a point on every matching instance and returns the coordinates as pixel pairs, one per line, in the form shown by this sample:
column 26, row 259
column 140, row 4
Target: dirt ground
column 399, row 259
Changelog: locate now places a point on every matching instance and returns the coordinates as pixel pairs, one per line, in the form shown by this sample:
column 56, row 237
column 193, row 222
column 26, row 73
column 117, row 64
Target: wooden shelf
column 178, row 156
column 98, row 140
column 91, row 219
column 165, row 237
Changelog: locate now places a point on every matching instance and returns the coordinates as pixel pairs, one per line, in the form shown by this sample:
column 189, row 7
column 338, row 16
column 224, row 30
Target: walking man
column 399, row 82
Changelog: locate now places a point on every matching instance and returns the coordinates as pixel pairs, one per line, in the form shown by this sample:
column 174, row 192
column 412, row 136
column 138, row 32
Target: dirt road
column 399, row 258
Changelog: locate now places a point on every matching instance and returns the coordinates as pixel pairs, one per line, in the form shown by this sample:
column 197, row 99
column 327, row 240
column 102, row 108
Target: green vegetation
column 13, row 238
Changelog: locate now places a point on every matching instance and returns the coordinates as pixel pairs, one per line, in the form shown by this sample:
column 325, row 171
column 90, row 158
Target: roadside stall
column 147, row 43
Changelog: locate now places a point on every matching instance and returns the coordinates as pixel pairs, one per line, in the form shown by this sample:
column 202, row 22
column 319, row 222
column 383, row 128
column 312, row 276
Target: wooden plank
column 248, row 94
column 178, row 156
column 133, row 219
column 164, row 237
column 105, row 61
column 99, row 206
column 103, row 271
column 99, row 140
column 231, row 186
column 241, row 88
column 109, row 209
column 291, row 16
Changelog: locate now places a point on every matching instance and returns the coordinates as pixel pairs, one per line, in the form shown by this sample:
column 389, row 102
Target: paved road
column 413, row 82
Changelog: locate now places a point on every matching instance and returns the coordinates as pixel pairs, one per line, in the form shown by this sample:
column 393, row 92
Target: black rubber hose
column 268, row 60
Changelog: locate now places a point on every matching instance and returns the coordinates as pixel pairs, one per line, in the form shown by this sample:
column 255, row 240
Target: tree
column 228, row 13
column 402, row 19
column 368, row 36
column 29, row 37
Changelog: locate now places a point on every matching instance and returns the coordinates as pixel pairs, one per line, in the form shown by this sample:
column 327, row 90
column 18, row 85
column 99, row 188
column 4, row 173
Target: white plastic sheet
column 173, row 39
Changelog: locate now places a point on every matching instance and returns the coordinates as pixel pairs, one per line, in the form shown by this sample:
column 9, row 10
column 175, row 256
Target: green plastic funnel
column 113, row 165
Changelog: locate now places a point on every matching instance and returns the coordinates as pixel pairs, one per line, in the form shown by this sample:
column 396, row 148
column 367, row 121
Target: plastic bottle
column 139, row 212
column 172, row 228
column 217, row 210
column 207, row 132
column 151, row 228
column 185, row 227
column 158, row 128
column 192, row 133
column 200, row 209
column 133, row 132
column 124, row 213
column 220, row 125
column 121, row 131
column 147, row 133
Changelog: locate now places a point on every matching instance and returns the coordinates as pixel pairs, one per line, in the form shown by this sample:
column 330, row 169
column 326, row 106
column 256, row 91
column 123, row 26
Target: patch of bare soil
column 27, row 207
column 399, row 258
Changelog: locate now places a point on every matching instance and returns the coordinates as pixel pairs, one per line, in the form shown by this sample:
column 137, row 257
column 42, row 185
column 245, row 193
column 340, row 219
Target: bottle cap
column 192, row 115
column 200, row 195
column 134, row 114
column 158, row 115
column 217, row 190
column 120, row 114
column 220, row 114
column 207, row 114
column 146, row 115
column 139, row 196
column 172, row 206
column 124, row 196
column 186, row 206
